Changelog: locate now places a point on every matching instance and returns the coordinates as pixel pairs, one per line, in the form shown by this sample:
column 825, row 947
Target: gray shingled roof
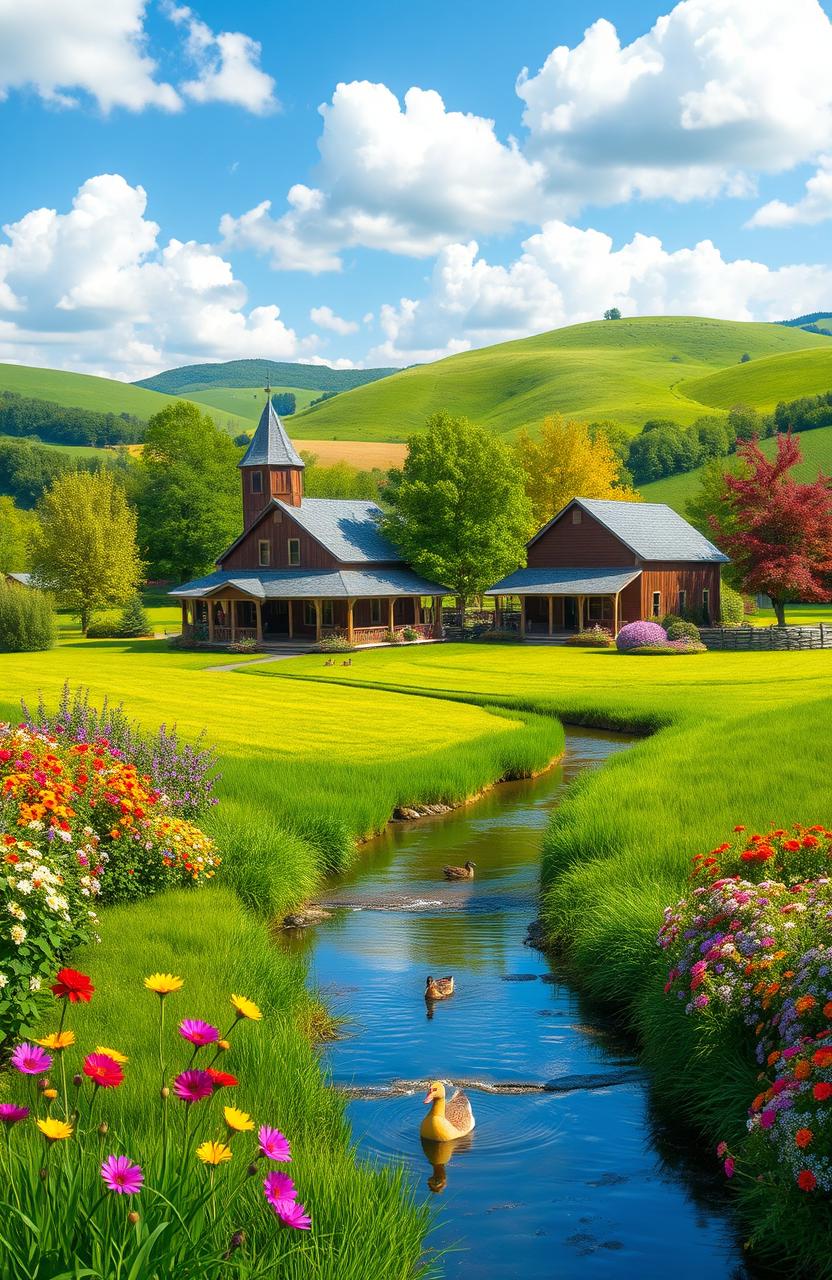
column 25, row 579
column 309, row 584
column 563, row 582
column 347, row 528
column 652, row 530
column 270, row 446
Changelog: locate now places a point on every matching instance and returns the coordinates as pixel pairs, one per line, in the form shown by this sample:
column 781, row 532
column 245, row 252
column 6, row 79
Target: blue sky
column 139, row 154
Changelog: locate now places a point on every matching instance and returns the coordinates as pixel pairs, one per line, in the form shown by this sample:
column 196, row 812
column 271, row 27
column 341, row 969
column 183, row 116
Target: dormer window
column 257, row 482
column 577, row 515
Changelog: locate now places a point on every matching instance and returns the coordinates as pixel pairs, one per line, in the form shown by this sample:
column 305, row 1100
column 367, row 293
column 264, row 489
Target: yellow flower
column 246, row 1008
column 55, row 1130
column 112, row 1053
column 51, row 1094
column 225, row 1045
column 58, row 1040
column 213, row 1153
column 163, row 983
column 238, row 1121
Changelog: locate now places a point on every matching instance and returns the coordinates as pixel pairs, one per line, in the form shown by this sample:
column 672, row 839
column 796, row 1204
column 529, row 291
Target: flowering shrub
column 633, row 634
column 593, row 638
column 670, row 648
column 753, row 939
column 182, row 1196
column 78, row 822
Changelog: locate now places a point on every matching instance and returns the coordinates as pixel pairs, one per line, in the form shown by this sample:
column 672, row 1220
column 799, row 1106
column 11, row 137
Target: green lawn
column 247, row 402
column 629, row 370
column 73, row 450
column 165, row 616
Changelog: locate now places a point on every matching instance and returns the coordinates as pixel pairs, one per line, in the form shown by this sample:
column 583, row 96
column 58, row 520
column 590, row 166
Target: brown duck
column 447, row 1119
column 439, row 988
column 459, row 873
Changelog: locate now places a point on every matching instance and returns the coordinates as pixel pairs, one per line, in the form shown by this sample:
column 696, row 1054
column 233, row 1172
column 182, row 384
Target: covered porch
column 551, row 602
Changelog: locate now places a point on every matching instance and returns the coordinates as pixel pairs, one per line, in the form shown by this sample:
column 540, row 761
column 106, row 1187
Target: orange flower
column 803, row 1137
column 802, row 1070
column 804, row 1004
column 827, row 1009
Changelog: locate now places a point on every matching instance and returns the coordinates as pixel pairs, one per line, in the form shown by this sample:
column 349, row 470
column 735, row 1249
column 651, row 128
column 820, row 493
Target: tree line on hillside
column 61, row 424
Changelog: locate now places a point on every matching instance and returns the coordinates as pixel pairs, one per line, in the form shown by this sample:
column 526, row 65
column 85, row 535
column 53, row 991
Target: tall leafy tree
column 457, row 508
column 188, row 492
column 567, row 460
column 777, row 530
column 15, row 533
column 84, row 544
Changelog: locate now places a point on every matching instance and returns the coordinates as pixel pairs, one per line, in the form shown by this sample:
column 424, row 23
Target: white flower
column 85, row 893
column 15, row 909
column 24, row 886
column 17, row 934
column 4, row 982
column 34, row 984
column 66, row 836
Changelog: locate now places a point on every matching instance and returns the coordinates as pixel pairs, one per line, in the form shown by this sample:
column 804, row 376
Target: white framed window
column 264, row 552
column 683, row 601
column 256, row 482
column 657, row 603
column 577, row 515
column 294, row 551
column 375, row 613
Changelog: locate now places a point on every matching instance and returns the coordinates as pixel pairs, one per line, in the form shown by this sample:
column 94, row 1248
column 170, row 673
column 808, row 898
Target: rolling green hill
column 252, row 373
column 629, row 370
column 106, row 395
column 247, row 402
column 816, row 447
column 763, row 382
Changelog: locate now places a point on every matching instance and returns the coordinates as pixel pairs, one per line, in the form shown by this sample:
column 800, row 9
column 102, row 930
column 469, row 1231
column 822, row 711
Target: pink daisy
column 10, row 1113
column 274, row 1145
column 121, row 1176
column 31, row 1059
column 192, row 1086
column 198, row 1032
column 278, row 1186
column 292, row 1214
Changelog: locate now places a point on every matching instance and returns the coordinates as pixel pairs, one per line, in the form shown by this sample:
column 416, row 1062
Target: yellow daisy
column 55, row 1130
column 238, row 1121
column 57, row 1040
column 163, row 983
column 246, row 1008
column 112, row 1053
column 50, row 1094
column 214, row 1153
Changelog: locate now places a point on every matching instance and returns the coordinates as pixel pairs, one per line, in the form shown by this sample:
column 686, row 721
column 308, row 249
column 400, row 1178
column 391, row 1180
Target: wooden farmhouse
column 303, row 567
column 600, row 563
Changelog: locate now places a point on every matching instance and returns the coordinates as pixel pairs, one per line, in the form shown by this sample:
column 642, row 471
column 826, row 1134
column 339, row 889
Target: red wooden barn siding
column 276, row 482
column 277, row 528
column 587, row 545
column 629, row 603
column 670, row 578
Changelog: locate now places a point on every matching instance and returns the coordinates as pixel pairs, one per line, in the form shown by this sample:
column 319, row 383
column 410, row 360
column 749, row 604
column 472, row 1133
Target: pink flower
column 722, row 1149
column 729, row 1167
column 198, row 1032
column 31, row 1060
column 273, row 1145
column 701, row 1001
column 767, row 1118
column 278, row 1186
column 292, row 1214
column 10, row 1113
column 121, row 1176
column 193, row 1086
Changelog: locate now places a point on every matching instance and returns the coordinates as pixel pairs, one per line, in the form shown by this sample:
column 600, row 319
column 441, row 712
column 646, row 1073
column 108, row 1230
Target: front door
column 570, row 613
column 276, row 618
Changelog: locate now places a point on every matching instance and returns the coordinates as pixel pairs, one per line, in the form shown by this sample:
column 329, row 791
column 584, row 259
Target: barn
column 602, row 563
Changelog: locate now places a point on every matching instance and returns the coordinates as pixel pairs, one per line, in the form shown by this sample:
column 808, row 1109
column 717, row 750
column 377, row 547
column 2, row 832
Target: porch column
column 350, row 629
column 317, row 604
column 581, row 612
column 211, row 607
column 550, row 615
column 417, row 610
column 437, row 616
column 522, row 616
column 232, row 619
column 391, row 606
column 258, row 611
column 291, row 619
column 184, row 616
column 615, row 614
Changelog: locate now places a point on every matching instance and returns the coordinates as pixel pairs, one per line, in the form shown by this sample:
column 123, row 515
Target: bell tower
column 271, row 467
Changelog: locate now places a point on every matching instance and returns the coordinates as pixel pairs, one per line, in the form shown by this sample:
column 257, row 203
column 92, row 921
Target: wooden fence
column 819, row 637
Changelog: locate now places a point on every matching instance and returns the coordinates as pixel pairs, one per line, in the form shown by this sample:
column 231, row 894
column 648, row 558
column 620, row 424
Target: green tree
column 566, row 461
column 188, row 492
column 27, row 622
column 134, row 620
column 15, row 533
column 711, row 502
column 612, row 313
column 457, row 509
column 84, row 544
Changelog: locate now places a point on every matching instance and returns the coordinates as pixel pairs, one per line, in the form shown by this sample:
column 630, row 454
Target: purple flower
column 292, row 1214
column 767, row 1118
column 198, row 1032
column 31, row 1059
column 278, row 1186
column 121, row 1176
column 274, row 1145
column 635, row 634
column 193, row 1086
column 10, row 1113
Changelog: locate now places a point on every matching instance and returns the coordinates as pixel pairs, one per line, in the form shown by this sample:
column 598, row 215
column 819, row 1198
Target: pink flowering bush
column 635, row 634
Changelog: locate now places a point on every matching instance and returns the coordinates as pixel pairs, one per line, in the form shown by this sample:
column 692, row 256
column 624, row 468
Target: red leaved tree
column 778, row 531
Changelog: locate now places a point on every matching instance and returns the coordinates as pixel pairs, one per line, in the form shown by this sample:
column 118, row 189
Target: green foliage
column 253, row 373
column 458, row 511
column 60, row 424
column 84, row 546
column 187, row 492
column 612, row 313
column 134, row 620
column 339, row 480
column 15, row 532
column 731, row 607
column 27, row 622
column 285, row 403
column 679, row 629
column 334, row 644
column 592, row 638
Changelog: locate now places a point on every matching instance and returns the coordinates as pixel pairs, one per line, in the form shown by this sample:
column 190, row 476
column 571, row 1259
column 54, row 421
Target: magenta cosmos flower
column 192, row 1086
column 278, row 1186
column 292, row 1214
column 31, row 1059
column 10, row 1113
column 121, row 1176
column 274, row 1145
column 198, row 1032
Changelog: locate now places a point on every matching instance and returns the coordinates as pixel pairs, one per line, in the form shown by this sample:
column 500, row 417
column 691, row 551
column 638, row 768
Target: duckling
column 459, row 873
column 446, row 1120
column 439, row 988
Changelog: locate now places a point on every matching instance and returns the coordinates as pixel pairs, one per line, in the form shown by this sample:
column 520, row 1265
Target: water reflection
column 439, row 1157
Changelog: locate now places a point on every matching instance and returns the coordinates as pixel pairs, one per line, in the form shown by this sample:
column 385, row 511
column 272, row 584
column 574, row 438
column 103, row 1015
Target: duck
column 459, row 873
column 446, row 1120
column 439, row 988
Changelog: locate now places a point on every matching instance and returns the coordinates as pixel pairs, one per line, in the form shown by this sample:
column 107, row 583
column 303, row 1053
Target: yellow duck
column 439, row 988
column 446, row 1120
column 459, row 873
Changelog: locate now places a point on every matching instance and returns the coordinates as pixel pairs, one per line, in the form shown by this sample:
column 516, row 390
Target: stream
column 568, row 1172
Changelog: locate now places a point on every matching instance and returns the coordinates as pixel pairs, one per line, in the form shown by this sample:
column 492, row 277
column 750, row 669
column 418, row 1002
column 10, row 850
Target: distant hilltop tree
column 612, row 313
column 744, row 358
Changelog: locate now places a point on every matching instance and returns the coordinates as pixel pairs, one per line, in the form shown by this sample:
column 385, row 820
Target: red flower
column 791, row 845
column 822, row 1091
column 103, row 1070
column 810, row 842
column 73, row 986
column 806, row 1180
column 803, row 1137
column 222, row 1079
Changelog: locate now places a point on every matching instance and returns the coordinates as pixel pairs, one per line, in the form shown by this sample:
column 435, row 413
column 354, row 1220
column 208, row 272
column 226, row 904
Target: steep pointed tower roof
column 270, row 446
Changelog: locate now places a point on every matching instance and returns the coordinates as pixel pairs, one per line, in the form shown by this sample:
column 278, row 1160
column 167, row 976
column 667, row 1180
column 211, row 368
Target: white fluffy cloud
column 61, row 48
column 565, row 275
column 816, row 205
column 227, row 65
column 325, row 318
column 94, row 289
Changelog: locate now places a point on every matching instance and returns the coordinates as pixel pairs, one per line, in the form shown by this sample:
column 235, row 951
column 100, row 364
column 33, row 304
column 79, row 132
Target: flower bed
column 635, row 635
column 752, row 942
column 669, row 650
column 185, row 1195
column 80, row 824
column 592, row 638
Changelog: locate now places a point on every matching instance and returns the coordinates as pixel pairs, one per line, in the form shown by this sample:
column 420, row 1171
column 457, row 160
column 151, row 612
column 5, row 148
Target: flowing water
column 567, row 1172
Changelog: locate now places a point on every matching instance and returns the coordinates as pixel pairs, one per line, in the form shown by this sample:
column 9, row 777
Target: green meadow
column 765, row 381
column 247, row 402
column 629, row 370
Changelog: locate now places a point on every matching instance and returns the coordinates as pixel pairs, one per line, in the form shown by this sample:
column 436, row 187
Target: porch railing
column 369, row 635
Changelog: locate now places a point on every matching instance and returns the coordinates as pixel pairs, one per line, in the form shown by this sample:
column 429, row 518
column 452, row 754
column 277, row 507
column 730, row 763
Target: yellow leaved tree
column 568, row 461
